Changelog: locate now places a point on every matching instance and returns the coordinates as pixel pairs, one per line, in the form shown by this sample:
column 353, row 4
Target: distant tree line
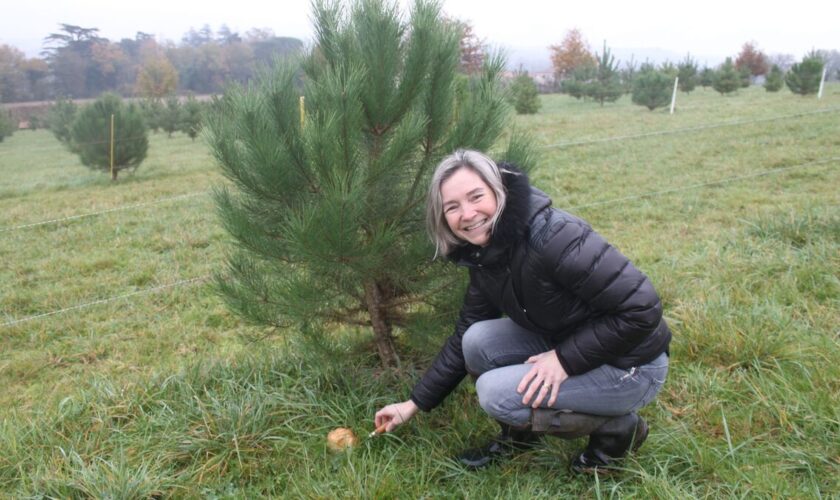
column 78, row 63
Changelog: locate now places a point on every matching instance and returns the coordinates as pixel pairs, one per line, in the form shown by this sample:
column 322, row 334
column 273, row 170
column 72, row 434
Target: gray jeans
column 495, row 351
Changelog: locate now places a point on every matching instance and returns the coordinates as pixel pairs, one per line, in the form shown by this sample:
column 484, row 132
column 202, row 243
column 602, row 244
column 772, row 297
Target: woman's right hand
column 395, row 414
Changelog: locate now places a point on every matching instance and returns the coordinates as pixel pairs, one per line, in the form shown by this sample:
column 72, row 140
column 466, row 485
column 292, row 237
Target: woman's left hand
column 542, row 380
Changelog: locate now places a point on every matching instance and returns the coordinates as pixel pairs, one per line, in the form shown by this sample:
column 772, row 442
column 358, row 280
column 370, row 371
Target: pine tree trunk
column 114, row 175
column 381, row 326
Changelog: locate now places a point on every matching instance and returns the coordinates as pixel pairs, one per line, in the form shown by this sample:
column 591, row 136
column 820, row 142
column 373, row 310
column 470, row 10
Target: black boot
column 610, row 442
column 509, row 441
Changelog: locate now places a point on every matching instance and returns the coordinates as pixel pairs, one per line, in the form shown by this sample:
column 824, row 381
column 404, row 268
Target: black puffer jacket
column 551, row 273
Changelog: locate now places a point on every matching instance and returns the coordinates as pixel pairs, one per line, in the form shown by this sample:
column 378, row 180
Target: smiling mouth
column 475, row 226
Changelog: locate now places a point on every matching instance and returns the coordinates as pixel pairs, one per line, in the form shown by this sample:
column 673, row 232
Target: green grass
column 167, row 394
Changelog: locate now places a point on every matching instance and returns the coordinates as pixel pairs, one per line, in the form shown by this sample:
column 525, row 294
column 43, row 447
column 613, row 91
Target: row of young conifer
column 652, row 86
column 87, row 131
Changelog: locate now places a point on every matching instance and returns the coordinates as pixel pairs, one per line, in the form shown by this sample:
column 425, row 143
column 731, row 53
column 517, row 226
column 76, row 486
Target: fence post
column 112, row 147
column 822, row 83
column 674, row 95
column 302, row 114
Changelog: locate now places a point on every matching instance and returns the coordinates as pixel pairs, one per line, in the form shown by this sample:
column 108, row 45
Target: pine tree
column 727, row 78
column 804, row 77
column 744, row 75
column 606, row 85
column 7, row 125
column 775, row 79
column 628, row 74
column 707, row 77
column 152, row 109
column 60, row 120
column 669, row 69
column 578, row 82
column 171, row 115
column 191, row 117
column 328, row 210
column 91, row 135
column 526, row 99
column 652, row 89
column 687, row 74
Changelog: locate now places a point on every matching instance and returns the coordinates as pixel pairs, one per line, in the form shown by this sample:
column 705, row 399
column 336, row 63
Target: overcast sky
column 710, row 28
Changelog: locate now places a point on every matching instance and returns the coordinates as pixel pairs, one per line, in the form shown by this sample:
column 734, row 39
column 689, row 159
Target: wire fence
column 624, row 199
column 106, row 211
column 60, row 146
column 145, row 291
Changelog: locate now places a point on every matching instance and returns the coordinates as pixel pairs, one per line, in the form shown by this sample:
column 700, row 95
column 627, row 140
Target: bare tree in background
column 753, row 59
column 572, row 53
column 472, row 47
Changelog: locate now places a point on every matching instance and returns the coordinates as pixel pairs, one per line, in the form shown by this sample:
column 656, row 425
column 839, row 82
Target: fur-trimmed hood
column 524, row 202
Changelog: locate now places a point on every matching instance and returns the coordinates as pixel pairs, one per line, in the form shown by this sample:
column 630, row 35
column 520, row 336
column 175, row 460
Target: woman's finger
column 523, row 384
column 555, row 389
column 531, row 392
column 545, row 388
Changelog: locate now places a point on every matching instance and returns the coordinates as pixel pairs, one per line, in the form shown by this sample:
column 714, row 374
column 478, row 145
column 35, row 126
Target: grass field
column 731, row 206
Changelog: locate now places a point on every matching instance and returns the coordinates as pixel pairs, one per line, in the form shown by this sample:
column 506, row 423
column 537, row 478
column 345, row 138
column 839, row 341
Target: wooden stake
column 674, row 95
column 822, row 83
column 302, row 113
column 112, row 146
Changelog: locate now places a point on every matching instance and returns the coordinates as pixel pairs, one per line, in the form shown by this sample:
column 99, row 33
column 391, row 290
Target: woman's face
column 468, row 206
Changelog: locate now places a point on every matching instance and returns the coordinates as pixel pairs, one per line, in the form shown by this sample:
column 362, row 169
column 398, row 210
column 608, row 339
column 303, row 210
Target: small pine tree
column 707, row 77
column 745, row 76
column 7, row 125
column 775, row 79
column 727, row 78
column 606, row 85
column 687, row 73
column 60, row 120
column 171, row 115
column 526, row 99
column 191, row 117
column 328, row 213
column 804, row 77
column 577, row 85
column 91, row 135
column 152, row 109
column 628, row 74
column 652, row 89
column 669, row 69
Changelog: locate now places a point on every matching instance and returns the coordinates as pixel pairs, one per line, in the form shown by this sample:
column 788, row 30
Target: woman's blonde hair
column 443, row 238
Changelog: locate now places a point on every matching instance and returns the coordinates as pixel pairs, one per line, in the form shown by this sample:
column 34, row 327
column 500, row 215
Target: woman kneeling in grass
column 562, row 333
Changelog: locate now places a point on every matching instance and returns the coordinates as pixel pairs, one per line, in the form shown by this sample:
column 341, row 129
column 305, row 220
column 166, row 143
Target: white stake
column 822, row 84
column 674, row 96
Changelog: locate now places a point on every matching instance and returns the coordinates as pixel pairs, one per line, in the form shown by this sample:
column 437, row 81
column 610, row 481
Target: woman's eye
column 449, row 210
